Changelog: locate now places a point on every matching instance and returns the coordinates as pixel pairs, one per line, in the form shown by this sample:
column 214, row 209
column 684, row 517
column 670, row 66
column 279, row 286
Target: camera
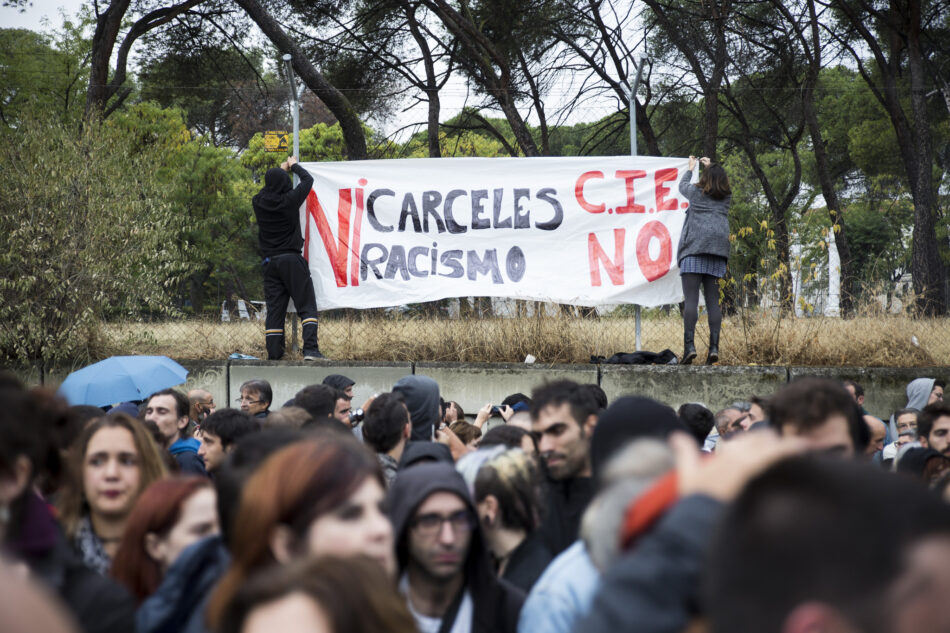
column 356, row 416
column 496, row 411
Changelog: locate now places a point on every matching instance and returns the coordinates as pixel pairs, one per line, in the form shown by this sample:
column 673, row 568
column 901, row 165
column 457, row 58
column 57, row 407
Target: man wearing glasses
column 444, row 565
column 256, row 396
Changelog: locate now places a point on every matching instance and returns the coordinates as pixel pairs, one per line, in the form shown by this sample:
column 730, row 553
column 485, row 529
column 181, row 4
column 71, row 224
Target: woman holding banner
column 704, row 251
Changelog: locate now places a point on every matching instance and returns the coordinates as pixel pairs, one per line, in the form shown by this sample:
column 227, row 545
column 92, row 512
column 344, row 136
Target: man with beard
column 563, row 417
column 286, row 272
column 933, row 426
column 444, row 565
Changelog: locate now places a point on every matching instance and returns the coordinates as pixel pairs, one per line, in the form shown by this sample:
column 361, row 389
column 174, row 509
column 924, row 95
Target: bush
column 87, row 232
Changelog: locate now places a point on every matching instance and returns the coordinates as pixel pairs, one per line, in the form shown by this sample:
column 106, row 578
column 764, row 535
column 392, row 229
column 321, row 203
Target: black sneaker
column 314, row 356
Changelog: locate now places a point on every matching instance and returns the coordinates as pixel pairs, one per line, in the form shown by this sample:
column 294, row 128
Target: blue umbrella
column 121, row 378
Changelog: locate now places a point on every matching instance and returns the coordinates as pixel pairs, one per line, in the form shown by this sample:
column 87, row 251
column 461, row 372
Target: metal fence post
column 632, row 100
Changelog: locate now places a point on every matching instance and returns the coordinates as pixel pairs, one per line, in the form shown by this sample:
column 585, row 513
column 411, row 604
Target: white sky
column 33, row 17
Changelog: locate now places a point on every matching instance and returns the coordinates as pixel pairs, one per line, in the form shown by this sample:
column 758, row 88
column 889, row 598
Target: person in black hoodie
column 29, row 533
column 286, row 272
column 444, row 566
column 421, row 395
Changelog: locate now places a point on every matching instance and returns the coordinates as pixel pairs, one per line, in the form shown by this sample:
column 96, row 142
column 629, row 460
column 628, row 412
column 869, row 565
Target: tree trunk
column 484, row 56
column 103, row 42
column 338, row 104
column 926, row 267
column 431, row 86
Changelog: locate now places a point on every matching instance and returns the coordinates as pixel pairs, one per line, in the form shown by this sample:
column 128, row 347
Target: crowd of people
column 557, row 511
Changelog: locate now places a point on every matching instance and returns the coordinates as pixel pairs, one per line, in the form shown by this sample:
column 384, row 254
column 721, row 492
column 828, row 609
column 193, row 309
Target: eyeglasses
column 246, row 399
column 431, row 524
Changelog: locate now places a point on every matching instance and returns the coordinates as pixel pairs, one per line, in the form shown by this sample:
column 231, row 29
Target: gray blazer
column 706, row 228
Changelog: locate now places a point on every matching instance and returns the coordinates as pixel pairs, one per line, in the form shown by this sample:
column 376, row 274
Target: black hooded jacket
column 421, row 395
column 497, row 604
column 277, row 208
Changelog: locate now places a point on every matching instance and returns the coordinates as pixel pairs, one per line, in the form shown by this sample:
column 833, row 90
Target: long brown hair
column 72, row 500
column 355, row 597
column 714, row 182
column 292, row 488
column 157, row 511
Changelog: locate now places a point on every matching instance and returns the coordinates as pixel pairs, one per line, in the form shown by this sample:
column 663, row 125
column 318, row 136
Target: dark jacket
column 706, row 229
column 277, row 209
column 527, row 562
column 99, row 604
column 185, row 452
column 178, row 605
column 565, row 502
column 497, row 604
column 656, row 586
column 421, row 395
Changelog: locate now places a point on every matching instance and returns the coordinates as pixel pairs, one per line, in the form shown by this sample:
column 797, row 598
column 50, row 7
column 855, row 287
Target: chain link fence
column 756, row 330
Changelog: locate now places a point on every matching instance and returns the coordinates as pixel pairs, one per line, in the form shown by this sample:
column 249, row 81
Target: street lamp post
column 295, row 108
column 295, row 104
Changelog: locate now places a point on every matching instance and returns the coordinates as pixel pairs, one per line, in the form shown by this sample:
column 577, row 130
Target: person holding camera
column 703, row 251
column 286, row 272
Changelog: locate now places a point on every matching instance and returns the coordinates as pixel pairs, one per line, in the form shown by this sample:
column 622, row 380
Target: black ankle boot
column 713, row 356
column 689, row 349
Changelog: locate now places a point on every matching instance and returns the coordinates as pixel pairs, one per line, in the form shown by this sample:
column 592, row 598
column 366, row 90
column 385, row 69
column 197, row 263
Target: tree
column 339, row 105
column 697, row 32
column 95, row 238
column 501, row 45
column 895, row 34
column 38, row 71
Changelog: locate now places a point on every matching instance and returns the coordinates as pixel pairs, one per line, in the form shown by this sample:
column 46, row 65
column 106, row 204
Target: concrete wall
column 885, row 389
column 473, row 385
column 287, row 378
column 715, row 387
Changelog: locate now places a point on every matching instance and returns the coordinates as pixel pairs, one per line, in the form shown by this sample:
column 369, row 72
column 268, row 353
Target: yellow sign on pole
column 276, row 141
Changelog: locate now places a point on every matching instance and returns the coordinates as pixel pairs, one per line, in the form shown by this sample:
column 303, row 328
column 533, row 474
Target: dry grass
column 870, row 341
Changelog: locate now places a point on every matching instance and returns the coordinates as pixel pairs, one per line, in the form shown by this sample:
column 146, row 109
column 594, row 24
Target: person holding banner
column 286, row 272
column 704, row 251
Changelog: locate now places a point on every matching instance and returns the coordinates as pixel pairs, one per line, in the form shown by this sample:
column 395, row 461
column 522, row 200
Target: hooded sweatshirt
column 496, row 603
column 918, row 392
column 277, row 209
column 421, row 395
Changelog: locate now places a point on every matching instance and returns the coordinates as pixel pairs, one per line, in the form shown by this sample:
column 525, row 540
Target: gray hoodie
column 918, row 393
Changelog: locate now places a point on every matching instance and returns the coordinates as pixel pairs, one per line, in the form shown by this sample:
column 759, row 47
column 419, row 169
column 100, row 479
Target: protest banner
column 580, row 230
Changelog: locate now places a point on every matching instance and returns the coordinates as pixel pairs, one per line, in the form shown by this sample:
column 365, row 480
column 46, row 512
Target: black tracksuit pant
column 287, row 276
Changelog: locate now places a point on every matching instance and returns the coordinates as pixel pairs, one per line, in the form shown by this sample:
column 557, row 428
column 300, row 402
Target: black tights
column 691, row 282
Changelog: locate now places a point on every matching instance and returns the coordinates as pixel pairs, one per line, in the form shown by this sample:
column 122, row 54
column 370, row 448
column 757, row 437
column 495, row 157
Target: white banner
column 582, row 231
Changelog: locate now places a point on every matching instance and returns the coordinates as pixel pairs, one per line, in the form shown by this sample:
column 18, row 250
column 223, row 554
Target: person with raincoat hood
column 286, row 272
column 920, row 393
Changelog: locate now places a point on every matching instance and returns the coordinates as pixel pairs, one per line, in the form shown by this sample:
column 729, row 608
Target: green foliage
column 209, row 190
column 463, row 144
column 88, row 231
column 42, row 72
column 207, row 84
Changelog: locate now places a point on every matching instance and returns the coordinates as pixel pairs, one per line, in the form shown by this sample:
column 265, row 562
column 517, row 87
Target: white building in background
column 823, row 293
